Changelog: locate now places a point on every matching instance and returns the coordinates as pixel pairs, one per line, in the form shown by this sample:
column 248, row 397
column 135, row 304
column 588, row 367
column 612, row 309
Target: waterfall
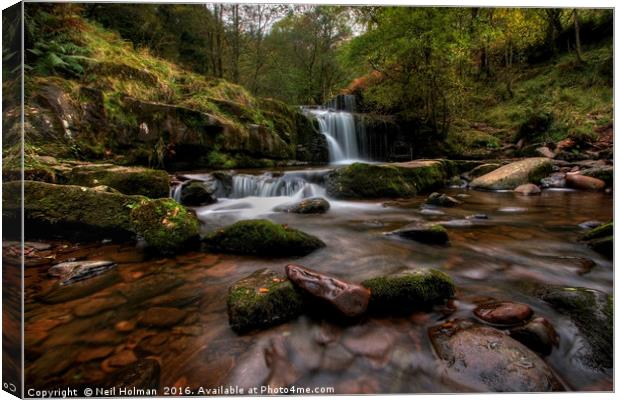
column 338, row 127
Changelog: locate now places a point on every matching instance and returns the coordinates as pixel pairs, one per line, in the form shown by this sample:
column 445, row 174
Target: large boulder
column 264, row 238
column 583, row 182
column 165, row 224
column 481, row 170
column 360, row 181
column 80, row 213
column 197, row 193
column 314, row 205
column 261, row 300
column 408, row 290
column 484, row 359
column 508, row 177
column 127, row 180
column 592, row 313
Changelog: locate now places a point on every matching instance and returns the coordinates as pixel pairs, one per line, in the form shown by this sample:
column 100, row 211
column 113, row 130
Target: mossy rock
column 366, row 181
column 165, row 224
column 508, row 177
column 65, row 211
column 197, row 193
column 601, row 239
column 261, row 300
column 147, row 182
column 408, row 290
column 427, row 175
column 263, row 238
column 604, row 173
column 592, row 312
column 600, row 231
column 425, row 233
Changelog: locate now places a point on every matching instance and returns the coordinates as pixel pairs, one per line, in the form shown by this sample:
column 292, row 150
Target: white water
column 338, row 127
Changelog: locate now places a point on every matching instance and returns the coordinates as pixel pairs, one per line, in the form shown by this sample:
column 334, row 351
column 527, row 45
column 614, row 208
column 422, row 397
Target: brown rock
column 125, row 326
column 582, row 182
column 161, row 317
column 504, row 312
column 545, row 152
column 95, row 306
column 529, row 189
column 283, row 373
column 93, row 354
column 349, row 298
column 538, row 334
column 118, row 360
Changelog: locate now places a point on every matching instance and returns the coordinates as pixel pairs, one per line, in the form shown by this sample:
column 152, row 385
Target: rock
column 477, row 216
column 197, row 193
column 590, row 224
column 71, row 272
column 151, row 286
column 565, row 145
column 483, row 359
column 142, row 374
column 408, row 290
column 264, row 238
column 125, row 326
column 105, row 189
column 94, row 354
column 261, row 300
column 528, row 189
column 127, row 180
column 314, row 205
column 425, row 233
column 120, row 359
column 482, row 170
column 442, row 200
column 166, row 225
column 366, row 181
column 601, row 239
column 161, row 317
column 514, row 174
column 582, row 182
column 282, row 371
column 538, row 334
column 545, row 152
column 592, row 313
column 97, row 305
column 603, row 172
column 348, row 298
column 555, row 180
column 503, row 312
column 59, row 293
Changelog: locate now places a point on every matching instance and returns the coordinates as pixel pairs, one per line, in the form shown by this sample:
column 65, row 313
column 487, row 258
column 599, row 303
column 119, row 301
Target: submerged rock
column 423, row 233
column 601, row 239
column 314, row 205
column 538, row 334
column 528, row 189
column 71, row 272
column 165, row 224
column 147, row 182
column 348, row 298
column 503, row 312
column 582, row 182
column 592, row 312
column 59, row 293
column 142, row 374
column 264, row 238
column 197, row 193
column 408, row 290
column 161, row 317
column 484, row 359
column 529, row 170
column 442, row 200
column 261, row 300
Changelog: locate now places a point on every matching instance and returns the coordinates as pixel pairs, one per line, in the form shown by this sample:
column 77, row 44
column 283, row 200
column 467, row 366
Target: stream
column 526, row 239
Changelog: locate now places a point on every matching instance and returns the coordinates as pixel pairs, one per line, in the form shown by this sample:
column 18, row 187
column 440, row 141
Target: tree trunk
column 236, row 43
column 577, row 38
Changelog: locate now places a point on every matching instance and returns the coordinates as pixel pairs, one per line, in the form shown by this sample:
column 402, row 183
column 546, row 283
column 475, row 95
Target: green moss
column 361, row 180
column 264, row 238
column 600, row 231
column 261, row 300
column 127, row 180
column 409, row 290
column 166, row 225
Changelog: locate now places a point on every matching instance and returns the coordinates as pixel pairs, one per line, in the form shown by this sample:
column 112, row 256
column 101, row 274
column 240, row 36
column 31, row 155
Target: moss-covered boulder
column 601, row 239
column 261, row 300
column 197, row 193
column 314, row 205
column 263, row 238
column 592, row 312
column 127, row 180
column 165, row 224
column 424, row 233
column 66, row 211
column 408, row 290
column 508, row 177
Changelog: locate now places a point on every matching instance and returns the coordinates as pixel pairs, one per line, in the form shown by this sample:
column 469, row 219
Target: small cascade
column 265, row 185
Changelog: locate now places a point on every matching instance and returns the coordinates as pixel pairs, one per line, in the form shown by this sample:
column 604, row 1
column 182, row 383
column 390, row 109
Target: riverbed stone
column 602, row 172
column 424, row 233
column 151, row 286
column 348, row 298
column 166, row 225
column 262, row 299
column 408, row 290
column 127, row 180
column 484, row 359
column 75, row 271
column 263, row 238
column 59, row 293
column 314, row 205
column 442, row 200
column 508, row 177
column 538, row 334
column 161, row 317
column 97, row 305
column 142, row 374
column 503, row 312
column 582, row 182
column 592, row 313
column 601, row 239
column 528, row 189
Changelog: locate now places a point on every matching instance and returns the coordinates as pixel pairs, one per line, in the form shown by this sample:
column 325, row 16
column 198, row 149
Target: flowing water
column 525, row 240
